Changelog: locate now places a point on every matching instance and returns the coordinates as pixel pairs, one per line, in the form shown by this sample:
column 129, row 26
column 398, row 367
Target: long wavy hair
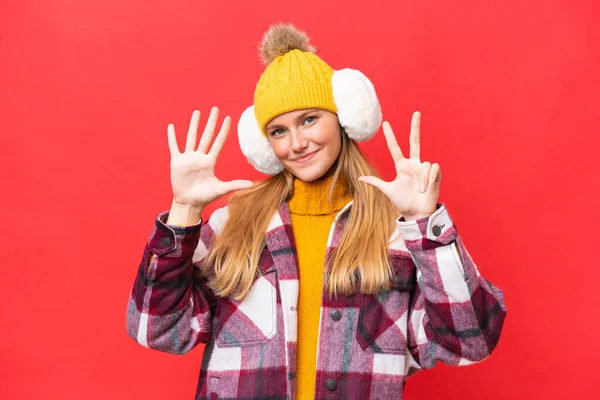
column 359, row 263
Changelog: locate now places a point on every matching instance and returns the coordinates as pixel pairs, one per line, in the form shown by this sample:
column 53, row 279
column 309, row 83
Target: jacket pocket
column 252, row 321
column 382, row 319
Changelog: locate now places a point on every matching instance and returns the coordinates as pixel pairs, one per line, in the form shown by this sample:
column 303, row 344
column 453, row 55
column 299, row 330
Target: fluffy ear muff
column 358, row 108
column 255, row 146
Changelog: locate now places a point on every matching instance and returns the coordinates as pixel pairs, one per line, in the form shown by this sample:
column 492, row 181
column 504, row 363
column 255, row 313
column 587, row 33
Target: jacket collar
column 280, row 241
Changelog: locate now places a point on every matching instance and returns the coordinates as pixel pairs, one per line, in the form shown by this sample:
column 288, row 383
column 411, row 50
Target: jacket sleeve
column 170, row 307
column 455, row 315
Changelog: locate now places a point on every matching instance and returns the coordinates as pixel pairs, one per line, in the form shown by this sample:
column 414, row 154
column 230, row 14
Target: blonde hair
column 359, row 263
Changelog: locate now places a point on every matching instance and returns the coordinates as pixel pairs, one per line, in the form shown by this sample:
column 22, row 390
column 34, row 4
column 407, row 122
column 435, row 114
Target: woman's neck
column 312, row 198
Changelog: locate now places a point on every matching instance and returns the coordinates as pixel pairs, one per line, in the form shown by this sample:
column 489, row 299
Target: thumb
column 375, row 182
column 237, row 185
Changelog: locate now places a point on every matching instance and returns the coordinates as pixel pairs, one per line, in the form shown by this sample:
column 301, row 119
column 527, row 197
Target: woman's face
column 307, row 142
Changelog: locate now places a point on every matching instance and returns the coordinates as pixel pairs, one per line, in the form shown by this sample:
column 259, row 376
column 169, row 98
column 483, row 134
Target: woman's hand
column 193, row 172
column 416, row 189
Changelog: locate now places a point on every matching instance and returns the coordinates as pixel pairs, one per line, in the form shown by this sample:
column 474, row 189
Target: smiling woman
column 322, row 281
column 306, row 142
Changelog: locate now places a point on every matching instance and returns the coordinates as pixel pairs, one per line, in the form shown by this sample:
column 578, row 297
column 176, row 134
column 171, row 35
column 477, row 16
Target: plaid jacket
column 439, row 309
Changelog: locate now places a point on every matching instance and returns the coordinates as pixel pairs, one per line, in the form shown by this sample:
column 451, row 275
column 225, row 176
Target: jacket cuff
column 165, row 238
column 428, row 232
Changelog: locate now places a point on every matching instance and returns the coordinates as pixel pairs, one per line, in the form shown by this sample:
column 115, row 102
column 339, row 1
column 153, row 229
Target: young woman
column 322, row 281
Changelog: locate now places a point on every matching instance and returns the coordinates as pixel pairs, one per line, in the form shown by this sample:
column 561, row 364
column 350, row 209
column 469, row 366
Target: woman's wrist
column 184, row 214
column 416, row 216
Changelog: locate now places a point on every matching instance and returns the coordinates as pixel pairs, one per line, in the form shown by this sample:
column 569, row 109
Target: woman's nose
column 299, row 142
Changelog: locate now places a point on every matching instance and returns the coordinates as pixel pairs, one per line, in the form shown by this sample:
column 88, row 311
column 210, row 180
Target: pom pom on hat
column 281, row 38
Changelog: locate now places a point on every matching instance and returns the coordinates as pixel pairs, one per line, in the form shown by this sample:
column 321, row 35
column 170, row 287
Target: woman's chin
column 308, row 174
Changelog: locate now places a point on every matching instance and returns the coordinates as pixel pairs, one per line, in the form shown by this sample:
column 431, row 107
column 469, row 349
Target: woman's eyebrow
column 305, row 113
column 296, row 120
column 274, row 126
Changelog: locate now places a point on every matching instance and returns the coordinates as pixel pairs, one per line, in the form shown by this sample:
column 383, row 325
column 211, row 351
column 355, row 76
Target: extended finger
column 375, row 182
column 392, row 143
column 237, row 185
column 221, row 137
column 173, row 147
column 415, row 135
column 190, row 143
column 424, row 175
column 435, row 173
column 209, row 130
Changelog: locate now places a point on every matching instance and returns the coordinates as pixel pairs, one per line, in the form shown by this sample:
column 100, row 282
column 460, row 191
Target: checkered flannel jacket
column 439, row 309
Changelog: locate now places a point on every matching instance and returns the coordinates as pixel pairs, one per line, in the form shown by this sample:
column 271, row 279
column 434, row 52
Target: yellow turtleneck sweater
column 312, row 216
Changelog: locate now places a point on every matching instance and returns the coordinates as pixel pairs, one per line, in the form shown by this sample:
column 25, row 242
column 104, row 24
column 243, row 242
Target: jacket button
column 166, row 241
column 336, row 315
column 399, row 280
column 437, row 230
column 331, row 384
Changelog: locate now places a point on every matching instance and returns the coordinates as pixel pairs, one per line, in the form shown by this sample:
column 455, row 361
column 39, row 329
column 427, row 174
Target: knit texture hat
column 293, row 81
column 296, row 78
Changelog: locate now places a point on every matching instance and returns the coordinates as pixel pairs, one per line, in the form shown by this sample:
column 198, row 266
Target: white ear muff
column 255, row 146
column 359, row 111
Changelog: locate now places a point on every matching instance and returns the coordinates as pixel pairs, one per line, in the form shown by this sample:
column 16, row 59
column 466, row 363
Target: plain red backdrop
column 509, row 94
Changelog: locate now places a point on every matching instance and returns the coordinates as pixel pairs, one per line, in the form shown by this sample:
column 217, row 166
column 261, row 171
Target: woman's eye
column 276, row 132
column 310, row 120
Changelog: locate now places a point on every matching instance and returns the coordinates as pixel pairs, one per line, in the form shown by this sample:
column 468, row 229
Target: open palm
column 193, row 172
column 416, row 188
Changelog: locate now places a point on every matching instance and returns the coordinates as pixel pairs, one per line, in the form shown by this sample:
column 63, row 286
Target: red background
column 508, row 91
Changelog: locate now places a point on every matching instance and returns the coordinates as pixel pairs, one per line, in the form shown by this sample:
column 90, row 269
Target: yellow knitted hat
column 295, row 77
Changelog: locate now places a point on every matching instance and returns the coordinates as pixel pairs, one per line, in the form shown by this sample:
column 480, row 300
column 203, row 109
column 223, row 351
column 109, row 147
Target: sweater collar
column 312, row 198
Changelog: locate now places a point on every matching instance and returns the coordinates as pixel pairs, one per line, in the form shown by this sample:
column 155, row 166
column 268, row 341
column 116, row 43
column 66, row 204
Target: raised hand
column 193, row 172
column 416, row 188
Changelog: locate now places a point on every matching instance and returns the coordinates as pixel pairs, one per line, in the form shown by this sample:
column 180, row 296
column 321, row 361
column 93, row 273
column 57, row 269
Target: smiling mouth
column 305, row 157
